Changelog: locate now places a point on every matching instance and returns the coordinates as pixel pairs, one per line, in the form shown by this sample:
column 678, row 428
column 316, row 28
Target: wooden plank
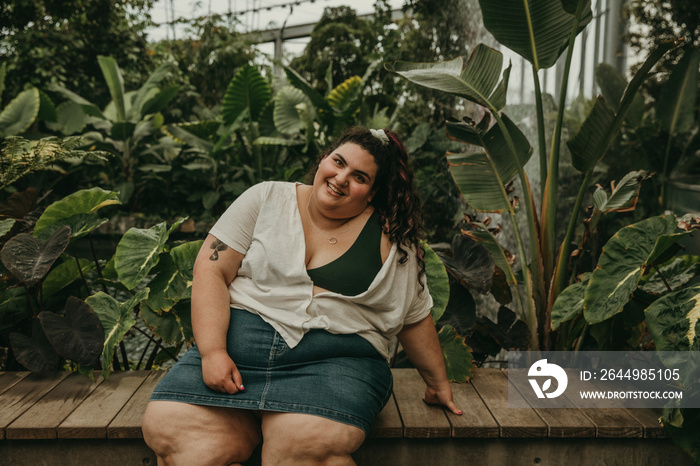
column 10, row 379
column 127, row 424
column 563, row 419
column 649, row 419
column 611, row 421
column 476, row 421
column 41, row 420
column 23, row 395
column 492, row 386
column 388, row 424
column 420, row 420
column 91, row 418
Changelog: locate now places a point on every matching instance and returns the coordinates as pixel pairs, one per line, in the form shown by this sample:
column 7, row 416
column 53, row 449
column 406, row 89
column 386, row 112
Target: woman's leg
column 303, row 439
column 186, row 434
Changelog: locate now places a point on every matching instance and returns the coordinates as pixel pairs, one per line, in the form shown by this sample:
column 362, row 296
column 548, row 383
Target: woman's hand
column 441, row 396
column 220, row 373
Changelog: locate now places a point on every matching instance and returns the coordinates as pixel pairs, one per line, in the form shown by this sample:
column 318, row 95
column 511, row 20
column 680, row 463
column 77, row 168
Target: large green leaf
column 476, row 80
column 77, row 336
column 247, row 90
column 624, row 259
column 288, row 117
column 674, row 274
column 602, row 125
column 184, row 256
column 438, row 282
column 537, row 30
column 20, row 113
column 318, row 101
column 458, row 357
column 674, row 322
column 115, row 84
column 676, row 107
column 88, row 107
column 481, row 177
column 138, row 252
column 30, row 259
column 140, row 106
column 167, row 287
column 569, row 303
column 168, row 326
column 76, row 210
column 116, row 319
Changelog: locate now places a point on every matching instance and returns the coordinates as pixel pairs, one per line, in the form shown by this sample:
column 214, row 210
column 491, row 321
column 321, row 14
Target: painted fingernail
column 242, row 387
column 459, row 412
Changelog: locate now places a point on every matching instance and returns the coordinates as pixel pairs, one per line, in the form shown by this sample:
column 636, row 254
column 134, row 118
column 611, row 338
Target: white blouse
column 264, row 224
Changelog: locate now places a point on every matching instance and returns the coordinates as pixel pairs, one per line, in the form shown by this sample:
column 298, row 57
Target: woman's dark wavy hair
column 395, row 198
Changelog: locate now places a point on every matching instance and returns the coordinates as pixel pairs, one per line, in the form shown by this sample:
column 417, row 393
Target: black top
column 353, row 272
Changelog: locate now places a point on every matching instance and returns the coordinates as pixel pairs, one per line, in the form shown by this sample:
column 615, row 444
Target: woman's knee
column 180, row 433
column 304, row 439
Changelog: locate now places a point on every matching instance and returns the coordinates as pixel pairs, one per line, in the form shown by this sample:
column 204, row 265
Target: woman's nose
column 342, row 177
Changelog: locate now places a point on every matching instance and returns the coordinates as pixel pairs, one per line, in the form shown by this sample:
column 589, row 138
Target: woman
column 298, row 291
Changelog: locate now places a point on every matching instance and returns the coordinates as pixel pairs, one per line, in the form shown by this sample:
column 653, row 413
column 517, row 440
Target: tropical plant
column 240, row 147
column 125, row 123
column 540, row 32
column 50, row 306
column 50, row 41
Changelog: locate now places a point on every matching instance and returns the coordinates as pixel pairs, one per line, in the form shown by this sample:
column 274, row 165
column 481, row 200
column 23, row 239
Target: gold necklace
column 332, row 239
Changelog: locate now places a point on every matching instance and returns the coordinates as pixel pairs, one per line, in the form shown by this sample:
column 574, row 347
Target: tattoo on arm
column 217, row 246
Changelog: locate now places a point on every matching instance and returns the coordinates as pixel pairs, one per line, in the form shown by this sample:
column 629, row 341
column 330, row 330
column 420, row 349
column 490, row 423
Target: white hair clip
column 380, row 134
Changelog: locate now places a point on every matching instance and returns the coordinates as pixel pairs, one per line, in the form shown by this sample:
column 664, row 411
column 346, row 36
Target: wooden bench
column 65, row 419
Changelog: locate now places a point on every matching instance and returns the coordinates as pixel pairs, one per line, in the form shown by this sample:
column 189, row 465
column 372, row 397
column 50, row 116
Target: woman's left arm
column 420, row 341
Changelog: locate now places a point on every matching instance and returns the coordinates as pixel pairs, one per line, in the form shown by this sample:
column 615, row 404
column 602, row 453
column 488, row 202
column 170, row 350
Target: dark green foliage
column 58, row 41
column 78, row 335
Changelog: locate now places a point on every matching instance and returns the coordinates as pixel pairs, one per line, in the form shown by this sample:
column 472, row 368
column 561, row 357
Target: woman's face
column 344, row 180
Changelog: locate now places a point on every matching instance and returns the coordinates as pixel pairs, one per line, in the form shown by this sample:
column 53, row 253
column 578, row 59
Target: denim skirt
column 339, row 377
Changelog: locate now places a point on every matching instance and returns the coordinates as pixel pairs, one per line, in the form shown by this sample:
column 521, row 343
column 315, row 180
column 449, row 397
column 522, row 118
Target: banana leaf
column 482, row 176
column 537, row 30
column 115, row 84
column 476, row 80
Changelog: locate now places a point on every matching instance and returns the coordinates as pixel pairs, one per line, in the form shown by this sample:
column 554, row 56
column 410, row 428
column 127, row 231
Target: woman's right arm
column 214, row 270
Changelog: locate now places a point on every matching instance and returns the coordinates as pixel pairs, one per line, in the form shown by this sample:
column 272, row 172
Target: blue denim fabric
column 339, row 377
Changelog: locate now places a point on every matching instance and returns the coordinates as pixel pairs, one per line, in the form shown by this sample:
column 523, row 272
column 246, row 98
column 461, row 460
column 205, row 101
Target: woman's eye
column 360, row 178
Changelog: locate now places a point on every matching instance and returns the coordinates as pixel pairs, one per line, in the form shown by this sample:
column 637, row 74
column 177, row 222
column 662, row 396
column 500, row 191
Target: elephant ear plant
column 540, row 32
column 58, row 306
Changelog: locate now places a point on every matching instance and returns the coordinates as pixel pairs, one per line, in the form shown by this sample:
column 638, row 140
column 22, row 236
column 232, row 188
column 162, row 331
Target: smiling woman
column 306, row 288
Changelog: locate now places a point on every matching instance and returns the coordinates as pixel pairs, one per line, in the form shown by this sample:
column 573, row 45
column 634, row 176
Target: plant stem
column 533, row 299
column 551, row 188
column 152, row 357
column 562, row 261
column 143, row 353
column 122, row 347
